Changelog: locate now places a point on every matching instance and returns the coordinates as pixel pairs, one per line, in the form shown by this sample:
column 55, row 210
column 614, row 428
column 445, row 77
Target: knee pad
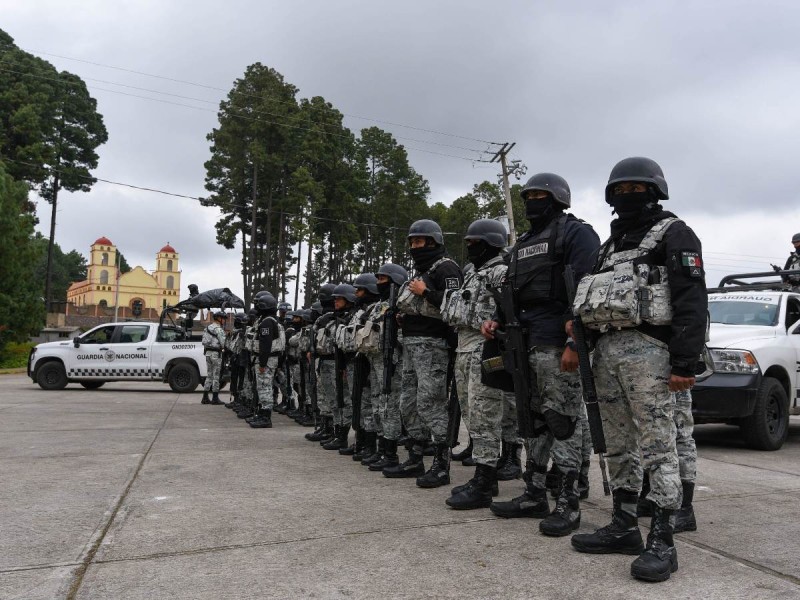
column 561, row 426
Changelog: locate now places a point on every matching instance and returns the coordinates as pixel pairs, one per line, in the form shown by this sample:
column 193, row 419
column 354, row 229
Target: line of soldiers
column 504, row 346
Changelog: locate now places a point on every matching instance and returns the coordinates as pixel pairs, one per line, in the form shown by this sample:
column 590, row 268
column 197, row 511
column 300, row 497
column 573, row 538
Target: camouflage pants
column 390, row 421
column 631, row 374
column 508, row 425
column 423, row 396
column 264, row 382
column 559, row 391
column 482, row 407
column 296, row 378
column 213, row 371
column 246, row 386
column 684, row 439
column 326, row 387
column 370, row 416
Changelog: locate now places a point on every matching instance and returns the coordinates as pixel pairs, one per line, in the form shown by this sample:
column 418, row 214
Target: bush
column 15, row 356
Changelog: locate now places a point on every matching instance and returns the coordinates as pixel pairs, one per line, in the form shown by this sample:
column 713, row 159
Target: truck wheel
column 183, row 378
column 92, row 385
column 768, row 426
column 52, row 376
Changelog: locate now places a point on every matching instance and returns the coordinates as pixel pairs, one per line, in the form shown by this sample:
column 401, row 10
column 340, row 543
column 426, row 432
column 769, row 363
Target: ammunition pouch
column 561, row 426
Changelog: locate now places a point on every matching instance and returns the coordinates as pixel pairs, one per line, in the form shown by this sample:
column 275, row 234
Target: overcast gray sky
column 708, row 89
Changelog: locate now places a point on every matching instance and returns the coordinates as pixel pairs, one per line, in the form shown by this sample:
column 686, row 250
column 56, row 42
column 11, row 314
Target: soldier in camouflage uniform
column 309, row 418
column 365, row 341
column 323, row 343
column 234, row 344
column 344, row 297
column 647, row 300
column 266, row 345
column 294, row 355
column 213, row 344
column 426, row 339
column 246, row 408
column 536, row 276
column 482, row 407
column 387, row 405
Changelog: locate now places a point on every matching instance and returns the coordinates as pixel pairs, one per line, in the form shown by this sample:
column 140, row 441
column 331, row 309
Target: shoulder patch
column 451, row 283
column 692, row 263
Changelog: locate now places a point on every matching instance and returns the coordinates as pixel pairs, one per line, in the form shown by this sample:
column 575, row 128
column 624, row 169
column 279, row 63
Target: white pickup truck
column 128, row 351
column 755, row 346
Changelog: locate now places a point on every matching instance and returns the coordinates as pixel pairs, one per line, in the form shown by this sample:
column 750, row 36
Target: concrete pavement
column 132, row 491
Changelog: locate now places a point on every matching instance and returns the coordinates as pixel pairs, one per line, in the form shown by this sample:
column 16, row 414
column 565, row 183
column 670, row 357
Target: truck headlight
column 734, row 361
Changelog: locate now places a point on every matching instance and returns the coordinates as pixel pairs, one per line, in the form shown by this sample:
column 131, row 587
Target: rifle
column 513, row 340
column 312, row 373
column 360, row 378
column 453, row 404
column 302, row 397
column 587, row 381
column 340, row 364
column 287, row 367
column 389, row 339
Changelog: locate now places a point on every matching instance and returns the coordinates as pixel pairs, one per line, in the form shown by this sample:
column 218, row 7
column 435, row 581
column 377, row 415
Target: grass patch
column 15, row 356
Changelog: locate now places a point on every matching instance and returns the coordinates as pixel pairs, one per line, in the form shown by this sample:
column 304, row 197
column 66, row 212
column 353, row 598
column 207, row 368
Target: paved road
column 132, row 491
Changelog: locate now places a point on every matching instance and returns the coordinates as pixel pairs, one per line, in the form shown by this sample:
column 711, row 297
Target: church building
column 136, row 291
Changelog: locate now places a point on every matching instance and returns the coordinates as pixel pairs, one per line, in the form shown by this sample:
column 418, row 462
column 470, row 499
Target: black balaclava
column 540, row 212
column 427, row 255
column 385, row 289
column 480, row 253
column 367, row 299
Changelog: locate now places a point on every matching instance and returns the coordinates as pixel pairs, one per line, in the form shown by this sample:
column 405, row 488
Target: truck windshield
column 734, row 312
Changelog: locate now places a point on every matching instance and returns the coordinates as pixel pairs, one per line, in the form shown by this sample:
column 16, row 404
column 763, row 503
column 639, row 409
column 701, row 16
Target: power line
column 214, row 103
column 205, row 202
column 218, row 89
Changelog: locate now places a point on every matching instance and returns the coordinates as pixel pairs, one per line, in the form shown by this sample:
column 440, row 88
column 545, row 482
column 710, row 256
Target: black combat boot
column 684, row 518
column 621, row 536
column 234, row 401
column 531, row 504
column 330, row 434
column 464, row 453
column 375, row 456
column 429, row 449
column 554, row 480
column 659, row 559
column 439, row 473
column 477, row 495
column 644, row 507
column 309, row 419
column 583, row 480
column 339, row 440
column 215, row 399
column 205, row 399
column 512, row 465
column 367, row 447
column 323, row 432
column 389, row 457
column 357, row 445
column 264, row 420
column 412, row 467
column 566, row 516
column 460, row 488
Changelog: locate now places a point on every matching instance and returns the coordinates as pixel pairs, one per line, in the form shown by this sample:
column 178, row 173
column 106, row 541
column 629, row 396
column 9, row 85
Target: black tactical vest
column 536, row 270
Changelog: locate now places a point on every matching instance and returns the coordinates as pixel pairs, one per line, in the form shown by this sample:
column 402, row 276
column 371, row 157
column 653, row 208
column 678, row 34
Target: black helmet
column 490, row 231
column 239, row 319
column 326, row 292
column 394, row 272
column 426, row 228
column 796, row 238
column 638, row 168
column 346, row 291
column 316, row 307
column 266, row 301
column 284, row 306
column 306, row 315
column 220, row 314
column 252, row 312
column 367, row 281
column 549, row 182
column 260, row 293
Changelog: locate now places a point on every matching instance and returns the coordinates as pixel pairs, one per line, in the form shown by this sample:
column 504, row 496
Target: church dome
column 103, row 241
column 168, row 248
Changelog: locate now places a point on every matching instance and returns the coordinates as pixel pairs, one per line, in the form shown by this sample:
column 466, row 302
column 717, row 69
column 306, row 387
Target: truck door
column 793, row 332
column 129, row 354
column 88, row 361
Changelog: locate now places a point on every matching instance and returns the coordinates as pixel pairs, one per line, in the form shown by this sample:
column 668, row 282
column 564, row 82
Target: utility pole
column 299, row 259
column 252, row 253
column 501, row 154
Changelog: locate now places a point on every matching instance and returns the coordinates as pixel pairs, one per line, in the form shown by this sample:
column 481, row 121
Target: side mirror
column 76, row 341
